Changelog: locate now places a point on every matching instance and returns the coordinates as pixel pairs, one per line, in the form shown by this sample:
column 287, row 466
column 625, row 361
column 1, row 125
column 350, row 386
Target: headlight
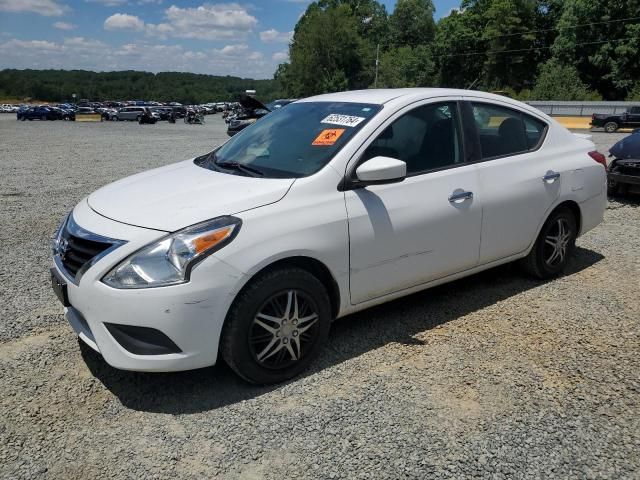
column 169, row 261
column 55, row 243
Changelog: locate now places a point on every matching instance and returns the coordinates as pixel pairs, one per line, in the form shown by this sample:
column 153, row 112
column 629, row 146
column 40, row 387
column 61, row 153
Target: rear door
column 634, row 117
column 426, row 227
column 519, row 182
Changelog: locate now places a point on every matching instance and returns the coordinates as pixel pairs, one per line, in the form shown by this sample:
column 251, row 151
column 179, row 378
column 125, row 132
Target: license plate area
column 59, row 286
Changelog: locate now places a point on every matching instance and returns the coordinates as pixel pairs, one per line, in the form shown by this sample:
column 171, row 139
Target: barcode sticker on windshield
column 343, row 120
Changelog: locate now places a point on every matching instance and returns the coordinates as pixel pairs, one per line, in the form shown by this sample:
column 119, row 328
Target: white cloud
column 64, row 26
column 123, row 21
column 234, row 49
column 272, row 35
column 48, row 8
column 280, row 56
column 206, row 22
column 88, row 54
column 109, row 3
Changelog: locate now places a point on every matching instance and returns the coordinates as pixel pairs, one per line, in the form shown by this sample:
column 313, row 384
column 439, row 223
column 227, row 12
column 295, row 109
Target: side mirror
column 380, row 170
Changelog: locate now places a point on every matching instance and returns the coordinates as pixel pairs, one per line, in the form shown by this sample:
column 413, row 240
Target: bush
column 561, row 82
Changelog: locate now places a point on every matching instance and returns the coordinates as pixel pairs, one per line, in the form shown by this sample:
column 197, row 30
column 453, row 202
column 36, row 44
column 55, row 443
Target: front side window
column 426, row 138
column 504, row 131
column 291, row 142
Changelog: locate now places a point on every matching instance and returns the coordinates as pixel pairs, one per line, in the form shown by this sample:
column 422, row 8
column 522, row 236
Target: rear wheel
column 276, row 326
column 610, row 127
column 554, row 246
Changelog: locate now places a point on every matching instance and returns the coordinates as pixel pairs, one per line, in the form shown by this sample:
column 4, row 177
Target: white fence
column 581, row 109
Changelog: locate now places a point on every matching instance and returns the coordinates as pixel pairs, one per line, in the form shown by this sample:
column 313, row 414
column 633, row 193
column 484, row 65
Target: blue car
column 38, row 113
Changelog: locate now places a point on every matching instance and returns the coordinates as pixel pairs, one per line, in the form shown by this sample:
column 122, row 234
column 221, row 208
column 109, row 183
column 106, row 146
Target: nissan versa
column 329, row 206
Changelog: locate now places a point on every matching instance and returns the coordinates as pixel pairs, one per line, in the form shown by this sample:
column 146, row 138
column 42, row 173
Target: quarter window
column 426, row 138
column 504, row 131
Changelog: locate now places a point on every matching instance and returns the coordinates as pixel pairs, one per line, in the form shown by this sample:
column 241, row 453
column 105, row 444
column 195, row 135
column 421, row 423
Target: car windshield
column 291, row 142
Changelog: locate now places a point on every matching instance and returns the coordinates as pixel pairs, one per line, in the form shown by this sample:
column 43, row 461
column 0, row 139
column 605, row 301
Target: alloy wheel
column 556, row 242
column 284, row 329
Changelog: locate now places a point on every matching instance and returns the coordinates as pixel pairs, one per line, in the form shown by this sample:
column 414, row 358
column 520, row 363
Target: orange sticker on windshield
column 328, row 136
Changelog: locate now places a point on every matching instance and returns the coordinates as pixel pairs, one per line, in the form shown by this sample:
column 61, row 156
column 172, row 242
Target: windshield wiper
column 254, row 172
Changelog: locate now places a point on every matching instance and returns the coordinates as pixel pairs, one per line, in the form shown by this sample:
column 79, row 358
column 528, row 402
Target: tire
column 114, row 118
column 263, row 350
column 547, row 261
column 43, row 117
column 138, row 118
column 610, row 127
column 66, row 118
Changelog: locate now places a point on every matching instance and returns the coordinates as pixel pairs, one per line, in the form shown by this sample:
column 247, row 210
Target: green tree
column 458, row 49
column 510, row 42
column 411, row 23
column 327, row 53
column 600, row 40
column 406, row 67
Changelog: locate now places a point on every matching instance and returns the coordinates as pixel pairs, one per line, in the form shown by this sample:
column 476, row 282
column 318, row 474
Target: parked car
column 38, row 113
column 624, row 170
column 250, row 110
column 326, row 207
column 163, row 112
column 148, row 117
column 611, row 123
column 132, row 114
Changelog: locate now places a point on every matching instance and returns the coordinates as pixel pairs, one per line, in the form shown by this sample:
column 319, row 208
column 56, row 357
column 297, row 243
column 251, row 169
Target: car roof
column 384, row 95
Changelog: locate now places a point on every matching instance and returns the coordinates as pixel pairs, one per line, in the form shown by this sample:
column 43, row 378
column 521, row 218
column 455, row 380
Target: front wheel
column 554, row 246
column 610, row 127
column 276, row 326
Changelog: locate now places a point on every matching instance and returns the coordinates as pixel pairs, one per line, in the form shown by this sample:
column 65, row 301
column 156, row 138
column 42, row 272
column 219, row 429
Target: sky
column 213, row 37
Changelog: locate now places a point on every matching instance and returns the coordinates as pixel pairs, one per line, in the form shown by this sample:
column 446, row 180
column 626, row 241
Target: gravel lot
column 494, row 376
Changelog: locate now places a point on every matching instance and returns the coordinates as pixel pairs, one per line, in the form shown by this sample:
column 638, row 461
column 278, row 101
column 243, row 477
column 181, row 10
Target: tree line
column 186, row 88
column 530, row 49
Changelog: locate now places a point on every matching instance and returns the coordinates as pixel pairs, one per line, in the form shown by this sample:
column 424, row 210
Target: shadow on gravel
column 395, row 322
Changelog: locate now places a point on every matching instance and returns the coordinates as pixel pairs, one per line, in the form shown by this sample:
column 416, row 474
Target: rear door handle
column 460, row 197
column 551, row 177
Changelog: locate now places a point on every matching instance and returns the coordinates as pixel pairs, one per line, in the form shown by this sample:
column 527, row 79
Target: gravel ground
column 494, row 376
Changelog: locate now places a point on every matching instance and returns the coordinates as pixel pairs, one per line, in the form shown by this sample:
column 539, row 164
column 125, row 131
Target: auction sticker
column 344, row 120
column 328, row 137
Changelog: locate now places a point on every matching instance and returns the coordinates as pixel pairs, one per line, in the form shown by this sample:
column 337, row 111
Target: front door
column 426, row 227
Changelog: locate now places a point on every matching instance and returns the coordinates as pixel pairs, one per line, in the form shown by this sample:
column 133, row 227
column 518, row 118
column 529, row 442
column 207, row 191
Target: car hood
column 628, row 147
column 251, row 103
column 176, row 196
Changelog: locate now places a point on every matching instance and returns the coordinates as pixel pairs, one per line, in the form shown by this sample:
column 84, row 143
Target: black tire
column 43, row 117
column 612, row 189
column 537, row 262
column 114, row 118
column 610, row 127
column 240, row 345
column 138, row 118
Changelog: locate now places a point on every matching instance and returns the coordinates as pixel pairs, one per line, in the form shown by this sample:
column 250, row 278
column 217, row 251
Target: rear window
column 504, row 131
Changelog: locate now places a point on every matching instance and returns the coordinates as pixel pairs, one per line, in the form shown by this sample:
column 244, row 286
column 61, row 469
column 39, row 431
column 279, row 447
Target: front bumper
column 191, row 315
column 622, row 178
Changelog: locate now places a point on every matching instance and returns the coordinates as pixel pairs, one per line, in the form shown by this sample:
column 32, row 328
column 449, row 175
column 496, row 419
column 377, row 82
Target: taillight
column 598, row 157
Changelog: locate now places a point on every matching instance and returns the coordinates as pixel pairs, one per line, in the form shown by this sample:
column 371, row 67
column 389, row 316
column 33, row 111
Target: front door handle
column 551, row 177
column 460, row 197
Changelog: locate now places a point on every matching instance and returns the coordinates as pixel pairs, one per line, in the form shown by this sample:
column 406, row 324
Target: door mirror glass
column 380, row 170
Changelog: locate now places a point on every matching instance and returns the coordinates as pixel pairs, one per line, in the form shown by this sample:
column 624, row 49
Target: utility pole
column 375, row 82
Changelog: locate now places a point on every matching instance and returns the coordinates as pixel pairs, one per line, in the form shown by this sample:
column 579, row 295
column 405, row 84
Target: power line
column 569, row 27
column 520, row 50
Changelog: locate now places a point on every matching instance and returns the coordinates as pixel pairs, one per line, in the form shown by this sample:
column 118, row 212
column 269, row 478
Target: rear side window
column 504, row 131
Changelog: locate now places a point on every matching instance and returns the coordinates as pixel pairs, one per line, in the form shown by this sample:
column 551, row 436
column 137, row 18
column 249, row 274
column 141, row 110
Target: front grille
column 79, row 252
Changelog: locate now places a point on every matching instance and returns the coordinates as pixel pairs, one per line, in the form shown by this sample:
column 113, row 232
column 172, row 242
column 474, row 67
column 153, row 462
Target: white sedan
column 320, row 209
